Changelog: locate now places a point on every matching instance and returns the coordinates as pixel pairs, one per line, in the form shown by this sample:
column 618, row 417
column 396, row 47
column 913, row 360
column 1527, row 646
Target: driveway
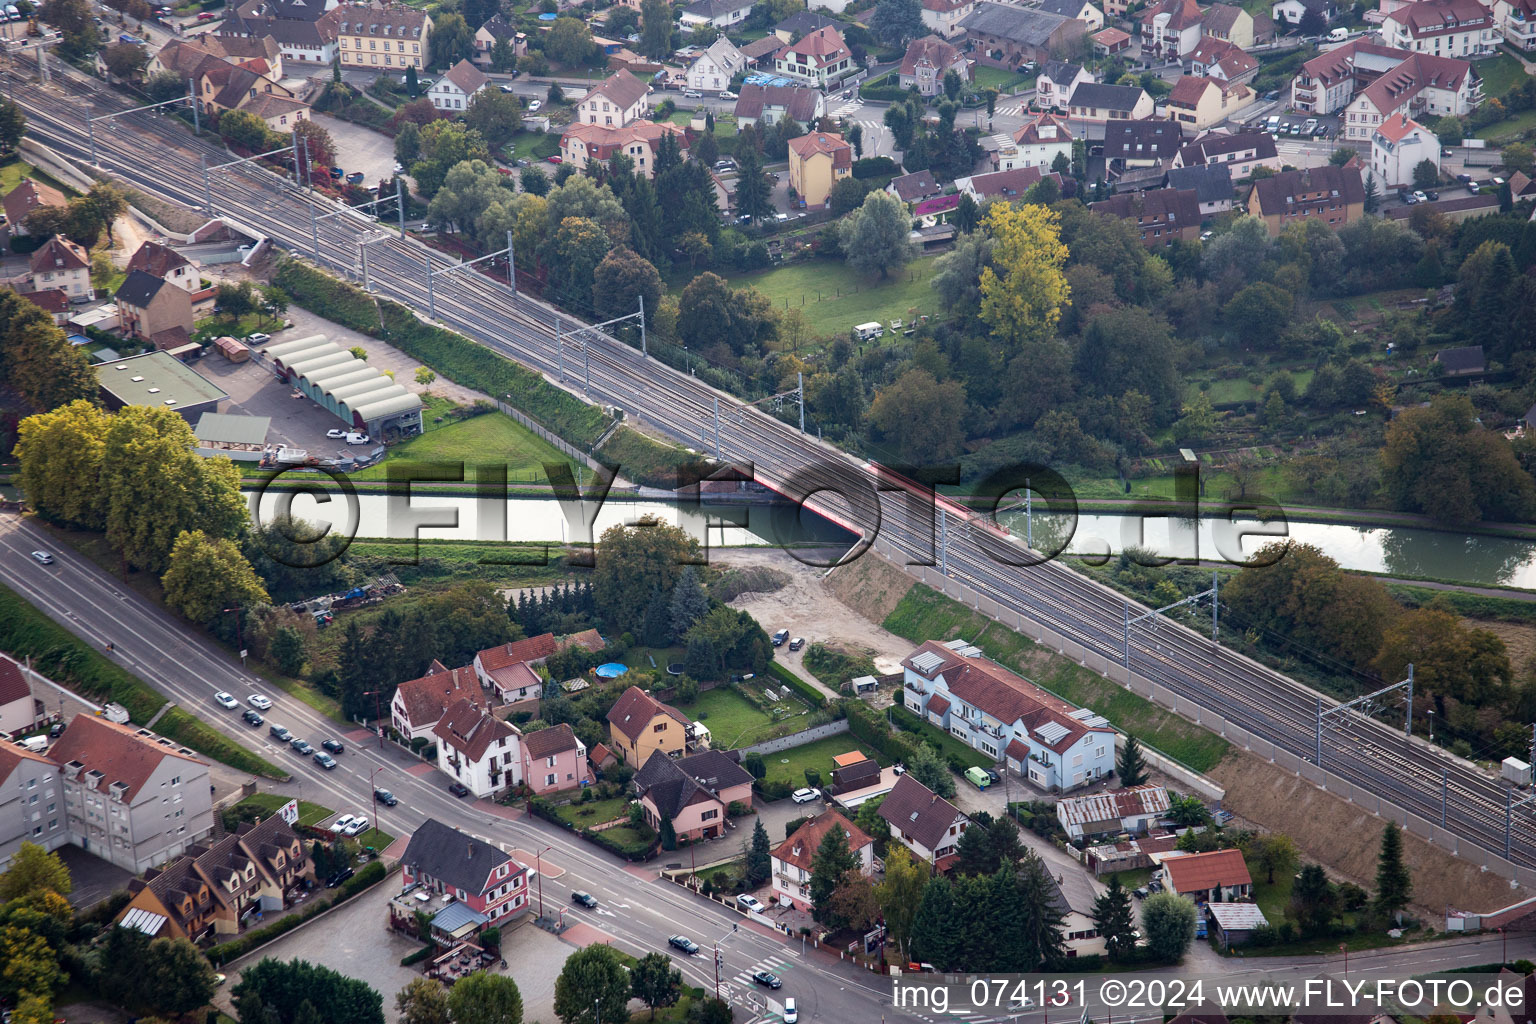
column 360, row 149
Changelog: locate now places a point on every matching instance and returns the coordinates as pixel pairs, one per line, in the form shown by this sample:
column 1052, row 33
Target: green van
column 978, row 777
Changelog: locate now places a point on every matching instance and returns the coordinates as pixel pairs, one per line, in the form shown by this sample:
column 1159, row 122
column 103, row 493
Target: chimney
column 469, row 850
column 933, row 798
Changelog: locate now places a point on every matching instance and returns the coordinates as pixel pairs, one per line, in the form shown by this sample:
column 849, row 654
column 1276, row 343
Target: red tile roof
column 1197, row 872
column 468, row 729
column 117, row 751
column 823, row 46
column 30, row 195
column 937, row 704
column 557, row 739
column 427, row 698
column 800, row 847
column 600, row 754
column 829, row 143
column 1044, row 128
column 59, row 253
column 635, row 710
column 929, row 50
column 13, row 682
column 535, row 648
column 621, row 88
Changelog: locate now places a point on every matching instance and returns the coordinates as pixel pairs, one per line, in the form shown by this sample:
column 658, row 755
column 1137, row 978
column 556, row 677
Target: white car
column 337, row 433
column 791, row 1014
column 258, row 702
column 728, row 95
column 692, row 94
column 341, row 824
column 226, row 700
column 534, row 105
column 356, row 826
column 355, row 438
column 803, row 796
column 746, row 902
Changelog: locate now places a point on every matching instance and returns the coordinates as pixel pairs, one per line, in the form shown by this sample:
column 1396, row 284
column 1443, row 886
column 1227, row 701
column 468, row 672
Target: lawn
column 534, row 145
column 268, row 803
column 593, row 812
column 220, row 326
column 834, row 297
column 1001, row 79
column 949, row 746
column 1500, row 74
column 1509, row 130
column 489, row 437
column 12, row 173
column 790, row 765
column 732, row 720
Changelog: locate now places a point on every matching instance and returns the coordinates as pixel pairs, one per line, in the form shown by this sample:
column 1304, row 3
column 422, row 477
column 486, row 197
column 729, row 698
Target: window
column 549, row 780
column 709, row 815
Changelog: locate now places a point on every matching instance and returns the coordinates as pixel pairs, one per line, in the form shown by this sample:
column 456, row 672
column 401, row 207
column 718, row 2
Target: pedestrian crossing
column 1001, row 141
column 851, row 107
column 772, row 964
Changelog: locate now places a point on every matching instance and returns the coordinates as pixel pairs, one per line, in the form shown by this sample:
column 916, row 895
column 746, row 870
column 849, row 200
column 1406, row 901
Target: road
column 150, row 152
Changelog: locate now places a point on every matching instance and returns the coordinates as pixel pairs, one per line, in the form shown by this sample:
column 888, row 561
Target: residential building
column 310, row 42
column 167, row 264
column 922, row 821
column 1057, row 80
column 927, row 62
column 817, row 162
column 1149, row 142
column 1217, row 58
column 184, row 58
column 1516, row 19
column 1110, row 41
column 52, row 301
column 457, row 86
column 1201, row 103
column 498, row 29
column 1007, row 185
column 1290, row 12
column 915, row 187
column 1233, row 924
column 835, row 6
column 554, row 759
column 1072, row 896
column 477, row 749
column 720, row 13
column 1096, row 101
column 60, row 263
column 28, row 196
column 1216, row 877
column 1240, row 152
column 1163, row 216
column 129, row 798
column 1335, row 195
column 1211, row 183
column 943, row 17
column 474, row 872
column 769, row 104
column 151, row 308
column 800, row 24
column 508, row 668
column 418, row 704
column 639, row 725
column 383, row 38
column 31, row 798
column 1444, row 28
column 584, row 145
column 821, row 58
column 1457, row 362
column 1038, row 735
column 693, row 793
column 1013, row 35
column 1170, row 30
column 791, row 861
column 1037, row 144
column 1133, row 809
column 279, row 113
column 1236, row 26
column 18, row 711
column 620, row 99
column 1082, row 10
column 222, row 86
column 1327, row 82
column 1398, row 146
column 1421, row 86
column 716, row 66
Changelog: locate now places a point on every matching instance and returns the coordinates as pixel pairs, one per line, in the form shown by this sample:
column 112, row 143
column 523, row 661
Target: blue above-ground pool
column 612, row 670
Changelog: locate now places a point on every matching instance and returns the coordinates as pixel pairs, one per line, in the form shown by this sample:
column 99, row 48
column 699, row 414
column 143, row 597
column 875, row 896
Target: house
column 1053, row 88
column 477, row 749
column 498, row 29
column 601, row 757
column 279, row 113
column 1217, row 58
column 583, row 145
column 1516, row 19
column 382, row 38
column 1421, row 86
column 60, row 263
column 1170, row 30
column 1132, row 809
column 791, row 861
column 1144, row 143
column 457, row 86
column 943, row 17
column 620, row 99
column 923, row 821
column 720, row 13
column 759, row 52
column 1457, row 362
column 1332, row 194
column 1211, row 183
column 855, row 784
column 222, row 86
column 1234, row 923
column 1521, row 186
column 1111, row 41
column 1215, row 877
column 769, row 104
column 30, row 791
column 915, row 187
column 1037, row 144
column 508, row 668
column 554, row 759
column 1236, row 26
column 1290, row 12
column 475, row 873
column 1095, row 101
column 817, row 162
column 1012, row 34
column 821, row 58
column 52, row 301
column 166, row 263
column 927, row 62
column 1006, row 185
column 716, row 66
column 800, row 24
column 310, row 42
column 148, row 306
column 1081, row 10
column 639, row 725
column 129, row 797
column 1398, row 146
column 1163, row 215
column 185, row 57
column 1240, row 152
column 855, row 775
column 418, row 704
column 1444, row 28
column 1201, row 103
column 694, row 794
column 1072, row 896
column 28, row 196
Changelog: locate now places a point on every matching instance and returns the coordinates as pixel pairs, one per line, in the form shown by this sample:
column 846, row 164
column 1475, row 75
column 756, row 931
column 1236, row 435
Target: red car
column 557, row 159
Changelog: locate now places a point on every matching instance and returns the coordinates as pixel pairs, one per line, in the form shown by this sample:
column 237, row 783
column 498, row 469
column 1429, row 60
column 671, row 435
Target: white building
column 1517, row 20
column 1421, row 86
column 791, row 862
column 923, row 821
column 31, row 796
column 716, row 66
column 620, row 99
column 820, row 58
column 457, row 87
column 1053, row 89
column 1037, row 144
column 418, row 704
column 942, row 17
column 1444, row 28
column 477, row 749
column 720, row 13
column 17, row 711
column 1398, row 145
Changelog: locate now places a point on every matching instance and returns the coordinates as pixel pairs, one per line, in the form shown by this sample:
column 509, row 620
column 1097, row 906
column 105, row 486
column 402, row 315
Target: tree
column 244, row 130
column 855, row 136
column 423, row 1001
column 621, row 281
column 484, row 998
column 280, row 989
column 1449, row 130
column 656, row 28
column 1394, row 885
column 1113, row 918
column 569, row 41
column 875, row 237
column 60, row 453
column 1426, row 174
column 175, row 976
column 1168, row 920
column 408, row 144
column 236, row 300
column 413, row 81
column 897, row 22
column 125, row 60
column 32, row 871
column 926, row 767
column 208, row 574
column 967, row 214
column 1132, row 766
column 901, row 894
column 952, row 85
column 443, row 145
column 1313, row 900
column 534, row 181
column 13, row 125
column 1273, row 852
column 451, row 40
column 1440, row 461
column 831, row 861
column 593, row 986
column 854, row 903
column 759, row 860
column 920, row 416
column 496, row 115
column 1518, row 156
column 573, row 256
column 689, row 602
column 1023, row 296
column 1312, row 23
column 938, row 935
column 1187, row 811
column 1449, row 659
column 655, row 982
column 754, row 190
column 632, row 561
column 1259, row 312
column 1372, row 193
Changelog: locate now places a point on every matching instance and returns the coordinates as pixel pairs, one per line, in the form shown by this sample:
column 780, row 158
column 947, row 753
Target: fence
column 554, row 439
column 799, row 739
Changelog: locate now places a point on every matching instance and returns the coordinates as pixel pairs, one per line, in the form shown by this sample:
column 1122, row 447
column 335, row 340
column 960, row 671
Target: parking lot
column 360, row 149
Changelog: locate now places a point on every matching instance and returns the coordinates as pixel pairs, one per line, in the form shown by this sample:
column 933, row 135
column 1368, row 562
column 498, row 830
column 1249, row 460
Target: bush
column 874, row 167
column 775, row 789
column 815, row 697
column 417, row 957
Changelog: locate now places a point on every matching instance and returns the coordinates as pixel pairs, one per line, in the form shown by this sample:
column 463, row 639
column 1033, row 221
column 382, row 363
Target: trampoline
column 612, row 670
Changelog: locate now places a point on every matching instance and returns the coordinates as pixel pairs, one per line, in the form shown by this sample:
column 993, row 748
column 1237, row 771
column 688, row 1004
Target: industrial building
column 364, row 398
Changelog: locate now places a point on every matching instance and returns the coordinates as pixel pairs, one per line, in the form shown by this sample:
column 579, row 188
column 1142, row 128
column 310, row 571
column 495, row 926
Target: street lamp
column 375, row 792
column 1431, row 725
column 538, row 869
column 1344, row 948
column 378, row 718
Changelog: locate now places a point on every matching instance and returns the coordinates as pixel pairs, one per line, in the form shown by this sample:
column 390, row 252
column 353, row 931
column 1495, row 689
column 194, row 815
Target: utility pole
column 298, row 174
column 431, row 295
column 511, row 262
column 644, row 353
column 717, row 426
column 362, row 251
column 719, row 959
column 943, row 541
column 800, row 390
column 559, row 347
column 314, row 231
column 1029, row 515
column 207, row 186
column 1125, row 642
column 400, row 209
column 1445, row 792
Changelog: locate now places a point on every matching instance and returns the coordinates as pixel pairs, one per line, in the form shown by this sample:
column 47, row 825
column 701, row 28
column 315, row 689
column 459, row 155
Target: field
column 732, row 720
column 1001, row 79
column 534, row 145
column 1508, row 130
column 1500, row 74
column 790, row 765
column 488, row 438
column 12, row 173
column 593, row 812
column 268, row 803
column 834, row 297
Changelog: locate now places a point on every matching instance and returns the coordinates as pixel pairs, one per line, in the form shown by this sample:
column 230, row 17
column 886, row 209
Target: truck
column 115, row 713
column 1516, row 771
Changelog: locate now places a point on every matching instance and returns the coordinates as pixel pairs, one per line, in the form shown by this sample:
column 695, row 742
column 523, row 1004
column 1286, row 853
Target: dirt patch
column 1346, row 838
column 870, row 586
column 1518, row 637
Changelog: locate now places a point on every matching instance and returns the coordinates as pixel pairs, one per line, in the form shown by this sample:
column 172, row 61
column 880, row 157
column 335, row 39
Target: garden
column 789, row 766
column 741, row 715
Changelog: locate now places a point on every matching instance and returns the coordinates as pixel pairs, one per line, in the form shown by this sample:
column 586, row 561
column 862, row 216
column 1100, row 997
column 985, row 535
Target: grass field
column 12, row 173
column 534, row 145
column 834, row 297
column 594, row 812
column 1500, row 74
column 1509, row 130
column 732, row 720
column 1001, row 79
column 947, row 744
column 488, row 438
column 790, row 765
column 268, row 803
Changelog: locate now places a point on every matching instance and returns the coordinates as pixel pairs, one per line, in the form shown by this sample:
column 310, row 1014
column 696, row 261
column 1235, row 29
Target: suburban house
column 554, row 759
column 1332, row 194
column 214, row 888
column 769, row 104
column 928, row 60
column 278, row 113
column 1217, row 58
column 18, row 711
column 1290, row 12
column 477, row 749
column 30, row 792
column 1110, row 41
column 130, row 798
column 1517, row 20
column 1200, row 103
column 1240, row 152
column 923, row 821
column 60, row 263
column 418, row 704
column 1053, row 89
column 620, row 99
column 1170, row 30
column 508, row 668
column 1007, row 185
column 475, row 873
column 791, row 861
column 155, row 310
column 1013, row 35
column 915, row 187
column 693, row 793
column 820, row 58
column 1233, row 923
column 1037, row 144
column 943, row 17
column 720, row 13
column 185, row 58
column 1421, row 86
column 1136, row 144
column 1072, row 896
column 817, row 162
column 1456, row 362
column 1399, row 145
column 584, row 145
column 639, row 725
column 166, row 263
column 716, row 66
column 759, row 52
column 1095, row 101
column 1163, row 216
column 222, row 86
column 28, row 196
column 457, row 86
column 1236, row 26
column 1445, row 28
column 382, row 37
column 1133, row 810
column 498, row 29
column 54, row 302
column 801, row 24
column 1211, row 183
column 1220, row 876
column 1081, row 10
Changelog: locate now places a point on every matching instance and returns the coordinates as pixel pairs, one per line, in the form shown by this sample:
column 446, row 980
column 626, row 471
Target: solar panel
column 927, row 662
column 145, row 921
column 1051, row 732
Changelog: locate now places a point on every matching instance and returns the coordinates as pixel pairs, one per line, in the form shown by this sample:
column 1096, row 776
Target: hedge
column 70, row 661
column 647, row 461
column 886, row 93
column 871, row 727
column 816, row 698
column 874, row 167
column 224, row 952
column 542, row 808
column 417, row 957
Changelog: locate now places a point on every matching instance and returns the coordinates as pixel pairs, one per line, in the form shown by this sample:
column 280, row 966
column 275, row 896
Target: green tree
column 621, row 280
column 176, row 976
column 573, row 255
column 451, row 40
column 593, row 986
column 1133, row 766
column 1426, row 174
column 1372, row 192
column 1272, row 852
column 244, row 130
column 208, row 574
column 1518, row 156
column 759, row 860
column 125, row 60
column 1313, row 900
column 496, row 115
column 282, row 988
column 33, row 871
column 443, row 145
column 1442, row 462
column 854, row 903
column 1450, row 130
column 689, row 603
column 1114, row 920
column 1394, row 885
column 13, row 125
column 631, row 562
column 655, row 982
column 569, row 41
column 901, row 894
column 1259, row 312
column 1168, row 920
column 926, row 767
column 831, row 861
column 287, row 651
column 60, row 455
column 1449, row 659
column 1022, row 297
column 920, row 416
column 897, row 22
column 408, row 143
column 754, row 190
column 1187, row 811
column 1039, row 921
column 484, row 998
column 656, row 28
column 875, row 237
column 423, row 1001
column 938, row 934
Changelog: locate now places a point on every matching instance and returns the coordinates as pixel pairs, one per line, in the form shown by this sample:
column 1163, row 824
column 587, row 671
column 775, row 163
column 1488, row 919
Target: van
column 791, row 1014
column 978, row 777
column 36, row 744
column 1338, row 35
column 869, row 331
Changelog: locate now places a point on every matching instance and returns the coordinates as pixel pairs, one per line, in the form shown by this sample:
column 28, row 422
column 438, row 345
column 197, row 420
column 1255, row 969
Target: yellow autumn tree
column 1021, row 298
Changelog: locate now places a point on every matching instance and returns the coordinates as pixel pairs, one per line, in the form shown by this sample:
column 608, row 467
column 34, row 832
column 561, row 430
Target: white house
column 923, row 821
column 791, row 862
column 716, row 66
column 1073, row 896
column 1398, row 145
column 720, row 13
column 1053, row 89
column 457, row 86
column 418, row 704
column 620, row 99
column 1292, row 11
column 941, row 17
column 1517, row 20
column 1423, row 85
column 17, row 712
column 1445, row 28
column 477, row 749
column 1037, row 144
column 820, row 58
column 1123, row 810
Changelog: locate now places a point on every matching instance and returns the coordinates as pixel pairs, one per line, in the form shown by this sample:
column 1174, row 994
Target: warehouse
column 157, row 378
column 364, row 398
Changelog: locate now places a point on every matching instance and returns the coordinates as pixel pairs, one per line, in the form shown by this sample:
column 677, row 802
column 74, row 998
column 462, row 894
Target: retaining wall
column 798, row 739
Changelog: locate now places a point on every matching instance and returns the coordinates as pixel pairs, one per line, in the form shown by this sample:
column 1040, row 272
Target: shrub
column 412, row 959
column 650, row 462
column 815, row 697
column 874, row 167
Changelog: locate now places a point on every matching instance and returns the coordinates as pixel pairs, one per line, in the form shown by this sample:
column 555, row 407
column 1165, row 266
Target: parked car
column 803, row 796
column 726, row 94
column 1420, row 197
column 767, row 978
column 458, row 789
column 977, row 777
column 206, row 16
column 356, row 438
column 992, row 776
column 339, row 826
column 338, row 878
column 746, row 901
column 385, row 797
column 337, row 433
column 1433, row 195
column 334, row 746
column 505, row 88
column 534, row 105
column 301, row 746
column 226, row 700
column 356, row 826
column 779, row 637
column 337, row 174
column 556, row 159
column 684, row 943
column 258, row 338
column 797, row 643
column 584, row 899
column 356, row 178
column 258, row 702
column 692, row 94
column 325, row 760
column 252, row 717
column 42, row 557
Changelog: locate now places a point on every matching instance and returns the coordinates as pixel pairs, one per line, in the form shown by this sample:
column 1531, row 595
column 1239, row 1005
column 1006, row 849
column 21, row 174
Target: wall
column 799, row 739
